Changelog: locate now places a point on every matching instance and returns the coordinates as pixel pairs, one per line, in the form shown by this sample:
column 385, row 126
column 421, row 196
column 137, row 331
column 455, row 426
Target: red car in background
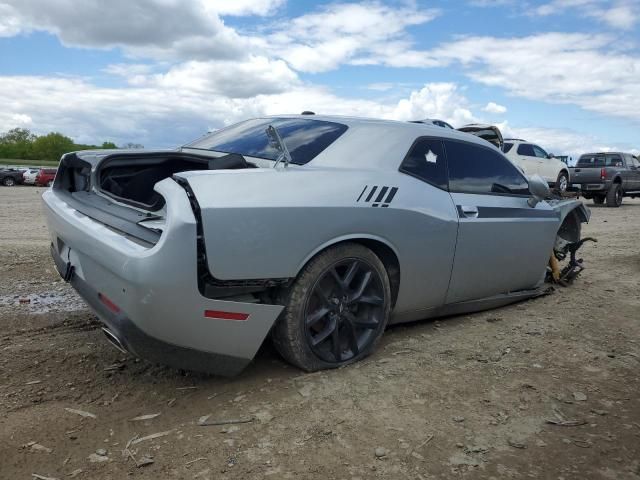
column 45, row 177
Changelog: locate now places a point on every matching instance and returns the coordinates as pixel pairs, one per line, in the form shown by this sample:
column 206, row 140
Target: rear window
column 305, row 139
column 601, row 160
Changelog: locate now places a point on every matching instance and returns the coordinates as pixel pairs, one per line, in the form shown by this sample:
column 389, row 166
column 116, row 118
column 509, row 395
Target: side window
column 426, row 161
column 526, row 150
column 478, row 169
column 540, row 153
column 635, row 161
column 506, row 147
column 613, row 161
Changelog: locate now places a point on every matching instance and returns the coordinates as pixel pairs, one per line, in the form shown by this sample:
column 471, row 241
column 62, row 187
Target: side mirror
column 551, row 155
column 539, row 190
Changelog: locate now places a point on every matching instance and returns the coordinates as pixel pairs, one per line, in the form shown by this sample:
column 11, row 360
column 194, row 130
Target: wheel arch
column 382, row 248
column 617, row 179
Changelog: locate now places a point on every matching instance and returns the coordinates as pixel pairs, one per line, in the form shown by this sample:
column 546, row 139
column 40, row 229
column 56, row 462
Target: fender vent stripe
column 219, row 315
column 379, row 200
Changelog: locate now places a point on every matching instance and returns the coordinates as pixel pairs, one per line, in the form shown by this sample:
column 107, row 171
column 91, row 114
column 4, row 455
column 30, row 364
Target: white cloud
column 493, row 107
column 622, row 14
column 564, row 141
column 232, row 79
column 146, row 28
column 357, row 33
column 435, row 100
column 571, row 68
column 243, row 7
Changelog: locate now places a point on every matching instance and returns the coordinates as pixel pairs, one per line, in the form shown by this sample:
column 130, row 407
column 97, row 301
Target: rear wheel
column 562, row 182
column 598, row 199
column 614, row 195
column 8, row 182
column 337, row 309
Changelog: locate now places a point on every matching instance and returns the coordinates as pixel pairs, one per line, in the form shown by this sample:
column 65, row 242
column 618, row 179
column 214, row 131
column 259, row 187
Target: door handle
column 468, row 211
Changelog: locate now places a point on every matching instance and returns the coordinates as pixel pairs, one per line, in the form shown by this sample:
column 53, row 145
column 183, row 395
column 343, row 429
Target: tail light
column 603, row 173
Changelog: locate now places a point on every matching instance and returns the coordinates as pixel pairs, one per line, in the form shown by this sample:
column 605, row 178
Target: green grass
column 28, row 163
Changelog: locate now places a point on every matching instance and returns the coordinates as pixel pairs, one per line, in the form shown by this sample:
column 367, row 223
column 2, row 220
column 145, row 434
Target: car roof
column 386, row 142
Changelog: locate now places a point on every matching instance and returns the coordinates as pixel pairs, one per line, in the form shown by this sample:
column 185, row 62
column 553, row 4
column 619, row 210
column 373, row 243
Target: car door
column 503, row 244
column 527, row 159
column 633, row 165
column 547, row 167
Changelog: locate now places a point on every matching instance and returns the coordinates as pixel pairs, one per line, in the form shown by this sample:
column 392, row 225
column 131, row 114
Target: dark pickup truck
column 607, row 177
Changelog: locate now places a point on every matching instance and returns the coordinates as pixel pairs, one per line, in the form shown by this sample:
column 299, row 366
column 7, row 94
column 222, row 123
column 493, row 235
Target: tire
column 614, row 195
column 562, row 182
column 326, row 323
column 9, row 182
column 598, row 199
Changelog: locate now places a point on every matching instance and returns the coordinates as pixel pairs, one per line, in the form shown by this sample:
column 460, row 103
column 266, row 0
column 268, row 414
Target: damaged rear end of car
column 125, row 234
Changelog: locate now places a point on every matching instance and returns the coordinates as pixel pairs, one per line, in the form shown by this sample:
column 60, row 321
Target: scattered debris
column 42, row 477
column 567, row 423
column 171, row 402
column 142, row 418
column 380, row 452
column 205, row 422
column 33, row 382
column 150, row 437
column 36, row 447
column 95, row 458
column 102, row 452
column 191, row 462
column 458, row 419
column 305, row 390
column 76, row 472
column 144, row 461
column 579, row 396
column 187, row 388
column 115, row 366
column 82, row 413
column 515, row 443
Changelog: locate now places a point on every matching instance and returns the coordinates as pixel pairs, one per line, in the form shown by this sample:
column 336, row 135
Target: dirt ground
column 464, row 397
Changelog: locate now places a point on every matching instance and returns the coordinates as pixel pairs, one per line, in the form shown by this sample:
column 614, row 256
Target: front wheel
column 614, row 195
column 562, row 182
column 337, row 309
column 8, row 182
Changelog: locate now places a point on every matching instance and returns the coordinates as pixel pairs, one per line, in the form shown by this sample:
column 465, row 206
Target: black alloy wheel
column 344, row 311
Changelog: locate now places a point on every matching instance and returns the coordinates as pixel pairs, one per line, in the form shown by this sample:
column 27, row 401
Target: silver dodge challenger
column 318, row 231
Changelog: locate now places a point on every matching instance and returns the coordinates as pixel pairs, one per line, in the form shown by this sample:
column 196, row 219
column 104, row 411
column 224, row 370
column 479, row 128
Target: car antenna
column 276, row 142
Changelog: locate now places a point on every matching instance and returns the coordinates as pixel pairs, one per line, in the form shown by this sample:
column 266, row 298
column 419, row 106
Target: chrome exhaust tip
column 115, row 341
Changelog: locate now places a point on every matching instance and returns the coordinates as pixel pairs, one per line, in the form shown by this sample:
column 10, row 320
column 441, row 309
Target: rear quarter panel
column 268, row 223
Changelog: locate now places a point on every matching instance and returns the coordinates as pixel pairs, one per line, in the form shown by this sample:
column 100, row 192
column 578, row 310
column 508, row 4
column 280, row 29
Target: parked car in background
column 316, row 231
column 533, row 160
column 29, row 176
column 10, row 177
column 434, row 121
column 490, row 133
column 45, row 177
column 607, row 176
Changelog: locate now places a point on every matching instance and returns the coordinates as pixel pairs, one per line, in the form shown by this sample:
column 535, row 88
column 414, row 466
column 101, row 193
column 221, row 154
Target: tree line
column 22, row 144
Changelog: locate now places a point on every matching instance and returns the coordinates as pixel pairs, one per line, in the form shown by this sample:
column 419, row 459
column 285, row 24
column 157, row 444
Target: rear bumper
column 154, row 307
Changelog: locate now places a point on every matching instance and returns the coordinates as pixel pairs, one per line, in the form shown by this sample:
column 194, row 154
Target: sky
column 561, row 73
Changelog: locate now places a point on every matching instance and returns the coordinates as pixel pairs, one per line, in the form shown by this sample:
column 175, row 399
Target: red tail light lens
column 603, row 173
column 108, row 303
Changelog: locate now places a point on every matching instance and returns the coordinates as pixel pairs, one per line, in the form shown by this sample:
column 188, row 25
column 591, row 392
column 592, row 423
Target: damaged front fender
column 569, row 240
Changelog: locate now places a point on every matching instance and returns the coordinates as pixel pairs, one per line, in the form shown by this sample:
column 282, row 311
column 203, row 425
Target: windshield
column 304, row 138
